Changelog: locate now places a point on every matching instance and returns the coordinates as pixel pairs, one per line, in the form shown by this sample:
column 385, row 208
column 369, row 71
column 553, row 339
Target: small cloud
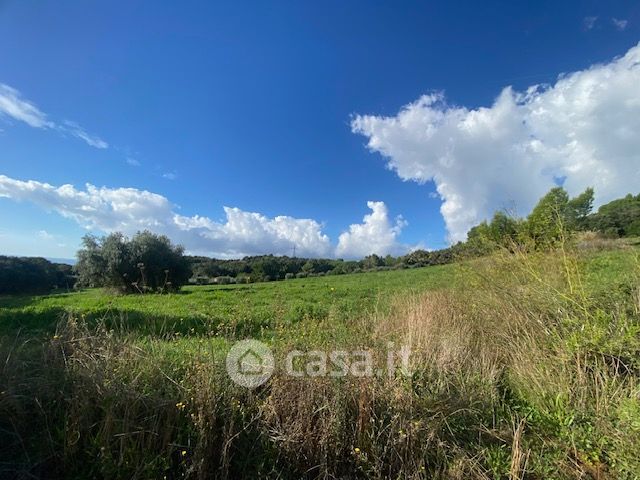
column 169, row 176
column 620, row 24
column 44, row 235
column 589, row 22
column 78, row 132
column 133, row 162
column 14, row 106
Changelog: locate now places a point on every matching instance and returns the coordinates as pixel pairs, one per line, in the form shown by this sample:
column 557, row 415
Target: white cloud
column 584, row 127
column 133, row 162
column 14, row 106
column 589, row 22
column 376, row 234
column 169, row 176
column 78, row 132
column 620, row 24
column 44, row 235
column 129, row 210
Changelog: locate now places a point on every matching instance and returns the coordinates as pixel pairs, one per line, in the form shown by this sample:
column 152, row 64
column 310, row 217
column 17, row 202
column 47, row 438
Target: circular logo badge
column 250, row 363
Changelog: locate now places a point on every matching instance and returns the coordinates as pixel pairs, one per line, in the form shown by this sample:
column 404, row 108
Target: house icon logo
column 250, row 363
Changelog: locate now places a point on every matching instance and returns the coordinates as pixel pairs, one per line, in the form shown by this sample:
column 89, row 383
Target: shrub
column 224, row 280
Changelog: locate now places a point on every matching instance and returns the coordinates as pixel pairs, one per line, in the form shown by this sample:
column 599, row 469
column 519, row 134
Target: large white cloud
column 129, row 210
column 14, row 106
column 585, row 127
column 376, row 234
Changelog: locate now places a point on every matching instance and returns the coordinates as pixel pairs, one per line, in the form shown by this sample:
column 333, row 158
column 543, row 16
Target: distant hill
column 67, row 261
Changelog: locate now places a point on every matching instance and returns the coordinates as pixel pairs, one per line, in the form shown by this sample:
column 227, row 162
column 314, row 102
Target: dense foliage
column 145, row 263
column 555, row 217
column 620, row 218
column 270, row 267
column 33, row 275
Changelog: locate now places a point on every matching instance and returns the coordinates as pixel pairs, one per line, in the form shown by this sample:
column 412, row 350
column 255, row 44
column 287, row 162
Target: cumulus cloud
column 376, row 234
column 14, row 106
column 584, row 127
column 129, row 210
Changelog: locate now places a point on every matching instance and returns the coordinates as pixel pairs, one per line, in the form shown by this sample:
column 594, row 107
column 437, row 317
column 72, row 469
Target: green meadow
column 523, row 365
column 229, row 310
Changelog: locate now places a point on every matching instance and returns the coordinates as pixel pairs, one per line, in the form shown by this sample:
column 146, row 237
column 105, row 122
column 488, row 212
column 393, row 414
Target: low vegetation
column 524, row 365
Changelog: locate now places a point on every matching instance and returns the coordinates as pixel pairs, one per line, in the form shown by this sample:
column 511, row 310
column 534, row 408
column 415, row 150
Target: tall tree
column 548, row 219
column 579, row 208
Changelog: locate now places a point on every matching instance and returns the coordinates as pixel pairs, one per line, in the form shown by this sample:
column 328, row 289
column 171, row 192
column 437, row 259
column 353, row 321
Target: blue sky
column 268, row 107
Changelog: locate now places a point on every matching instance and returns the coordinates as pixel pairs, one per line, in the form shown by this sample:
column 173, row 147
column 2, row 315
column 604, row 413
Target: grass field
column 523, row 366
column 236, row 310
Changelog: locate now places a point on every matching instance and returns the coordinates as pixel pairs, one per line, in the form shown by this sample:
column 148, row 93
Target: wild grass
column 524, row 366
column 231, row 310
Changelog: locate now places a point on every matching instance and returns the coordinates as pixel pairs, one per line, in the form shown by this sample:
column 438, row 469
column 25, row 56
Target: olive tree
column 145, row 263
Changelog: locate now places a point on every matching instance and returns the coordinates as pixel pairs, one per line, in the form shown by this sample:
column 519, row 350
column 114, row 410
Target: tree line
column 151, row 263
column 555, row 216
column 34, row 275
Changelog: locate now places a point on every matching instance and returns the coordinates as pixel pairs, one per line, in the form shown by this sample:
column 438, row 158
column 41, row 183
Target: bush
column 224, row 280
column 201, row 280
